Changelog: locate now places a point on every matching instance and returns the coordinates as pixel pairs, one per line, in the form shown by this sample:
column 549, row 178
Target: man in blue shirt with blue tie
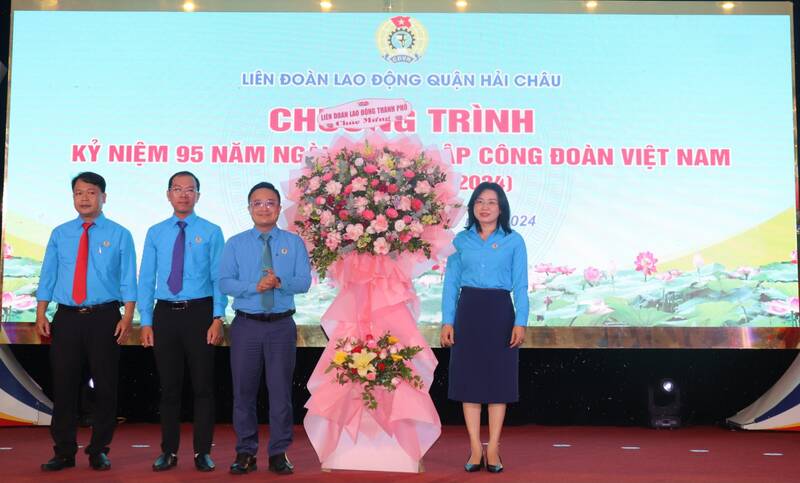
column 180, row 273
column 263, row 268
column 89, row 269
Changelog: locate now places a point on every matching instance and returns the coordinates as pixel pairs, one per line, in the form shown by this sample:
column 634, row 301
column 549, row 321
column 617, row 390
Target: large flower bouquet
column 381, row 363
column 372, row 200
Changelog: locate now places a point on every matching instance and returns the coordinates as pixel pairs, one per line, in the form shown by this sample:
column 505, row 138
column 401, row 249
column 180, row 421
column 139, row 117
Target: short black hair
column 91, row 178
column 502, row 201
column 184, row 173
column 263, row 185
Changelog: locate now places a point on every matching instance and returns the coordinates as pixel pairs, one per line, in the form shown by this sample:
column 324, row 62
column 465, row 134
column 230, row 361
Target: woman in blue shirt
column 480, row 324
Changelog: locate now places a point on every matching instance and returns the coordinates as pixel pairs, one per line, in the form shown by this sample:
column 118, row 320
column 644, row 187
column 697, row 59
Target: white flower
column 333, row 188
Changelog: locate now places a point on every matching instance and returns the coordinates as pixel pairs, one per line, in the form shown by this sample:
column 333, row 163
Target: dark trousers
column 257, row 346
column 178, row 336
column 78, row 339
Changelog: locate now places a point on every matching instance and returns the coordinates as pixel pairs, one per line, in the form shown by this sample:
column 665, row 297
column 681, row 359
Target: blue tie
column 175, row 280
column 268, row 296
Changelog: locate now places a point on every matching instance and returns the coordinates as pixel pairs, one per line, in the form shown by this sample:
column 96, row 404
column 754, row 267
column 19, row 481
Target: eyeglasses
column 489, row 203
column 263, row 204
column 177, row 190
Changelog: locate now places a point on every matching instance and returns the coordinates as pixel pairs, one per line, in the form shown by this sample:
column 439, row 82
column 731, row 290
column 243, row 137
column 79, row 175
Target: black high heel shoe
column 495, row 468
column 472, row 468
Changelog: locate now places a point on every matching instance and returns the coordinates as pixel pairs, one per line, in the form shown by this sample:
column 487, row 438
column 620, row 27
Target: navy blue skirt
column 483, row 368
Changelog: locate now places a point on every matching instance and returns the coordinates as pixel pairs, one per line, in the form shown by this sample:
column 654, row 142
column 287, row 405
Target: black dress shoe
column 58, row 463
column 203, row 462
column 99, row 462
column 495, row 468
column 280, row 464
column 472, row 468
column 245, row 463
column 165, row 461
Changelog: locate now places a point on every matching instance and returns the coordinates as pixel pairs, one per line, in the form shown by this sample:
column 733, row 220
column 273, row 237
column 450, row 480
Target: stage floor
column 530, row 453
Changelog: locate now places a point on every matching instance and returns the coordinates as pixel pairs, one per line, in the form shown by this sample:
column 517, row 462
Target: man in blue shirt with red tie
column 180, row 272
column 89, row 269
column 263, row 268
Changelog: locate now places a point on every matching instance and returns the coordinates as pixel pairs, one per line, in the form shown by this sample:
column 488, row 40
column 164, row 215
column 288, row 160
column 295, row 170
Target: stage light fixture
column 461, row 4
column 591, row 4
column 664, row 404
column 325, row 5
column 188, row 6
column 727, row 5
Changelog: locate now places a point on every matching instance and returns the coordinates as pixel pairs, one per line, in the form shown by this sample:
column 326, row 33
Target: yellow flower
column 339, row 357
column 397, row 357
column 362, row 362
column 393, row 340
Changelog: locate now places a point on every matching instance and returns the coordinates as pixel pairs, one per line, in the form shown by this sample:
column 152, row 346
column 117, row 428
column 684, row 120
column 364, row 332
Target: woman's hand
column 517, row 336
column 446, row 336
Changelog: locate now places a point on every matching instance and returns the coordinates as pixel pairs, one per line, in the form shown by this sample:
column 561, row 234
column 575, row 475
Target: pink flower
column 407, row 219
column 544, row 268
column 777, row 307
column 396, row 381
column 354, row 232
column 404, row 203
column 370, row 376
column 24, row 302
column 360, row 202
column 408, row 174
column 392, row 188
column 371, row 344
column 8, row 299
column 794, row 304
column 343, row 214
column 423, row 188
column 382, row 354
column 746, row 272
column 392, row 213
column 327, row 176
column 7, row 253
column 538, row 280
column 380, row 224
column 326, row 218
column 368, row 215
column 646, row 263
column 598, row 307
column 348, row 189
column 547, row 301
column 370, row 169
column 405, row 237
column 359, row 162
column 320, row 200
column 794, row 256
column 313, row 183
column 416, row 228
column 417, row 204
column 333, row 240
column 697, row 261
column 399, row 225
column 380, row 246
column 592, row 275
column 565, row 270
column 374, row 183
column 359, row 184
column 333, row 188
column 380, row 196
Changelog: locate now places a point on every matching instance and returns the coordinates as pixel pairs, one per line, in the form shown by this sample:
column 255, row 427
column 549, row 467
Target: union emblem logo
column 401, row 39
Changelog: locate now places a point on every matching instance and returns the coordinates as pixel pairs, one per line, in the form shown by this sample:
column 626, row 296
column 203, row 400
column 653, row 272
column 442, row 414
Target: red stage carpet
column 530, row 453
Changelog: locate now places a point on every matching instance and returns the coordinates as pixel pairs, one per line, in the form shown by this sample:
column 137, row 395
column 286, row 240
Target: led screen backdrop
column 648, row 158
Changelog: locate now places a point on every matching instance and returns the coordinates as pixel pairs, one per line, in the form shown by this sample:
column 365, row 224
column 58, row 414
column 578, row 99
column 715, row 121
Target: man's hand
column 122, row 329
column 42, row 325
column 268, row 281
column 447, row 336
column 215, row 333
column 146, row 335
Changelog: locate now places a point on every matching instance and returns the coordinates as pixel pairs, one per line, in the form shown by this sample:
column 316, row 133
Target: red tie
column 79, row 282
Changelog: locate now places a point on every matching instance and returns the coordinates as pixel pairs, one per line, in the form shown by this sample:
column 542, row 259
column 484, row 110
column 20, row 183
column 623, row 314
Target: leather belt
column 266, row 317
column 184, row 304
column 88, row 309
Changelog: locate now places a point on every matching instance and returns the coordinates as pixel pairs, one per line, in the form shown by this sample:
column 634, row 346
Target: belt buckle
column 180, row 305
column 84, row 310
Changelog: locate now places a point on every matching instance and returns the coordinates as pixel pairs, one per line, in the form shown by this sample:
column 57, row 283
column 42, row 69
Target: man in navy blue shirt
column 89, row 269
column 180, row 274
column 263, row 268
